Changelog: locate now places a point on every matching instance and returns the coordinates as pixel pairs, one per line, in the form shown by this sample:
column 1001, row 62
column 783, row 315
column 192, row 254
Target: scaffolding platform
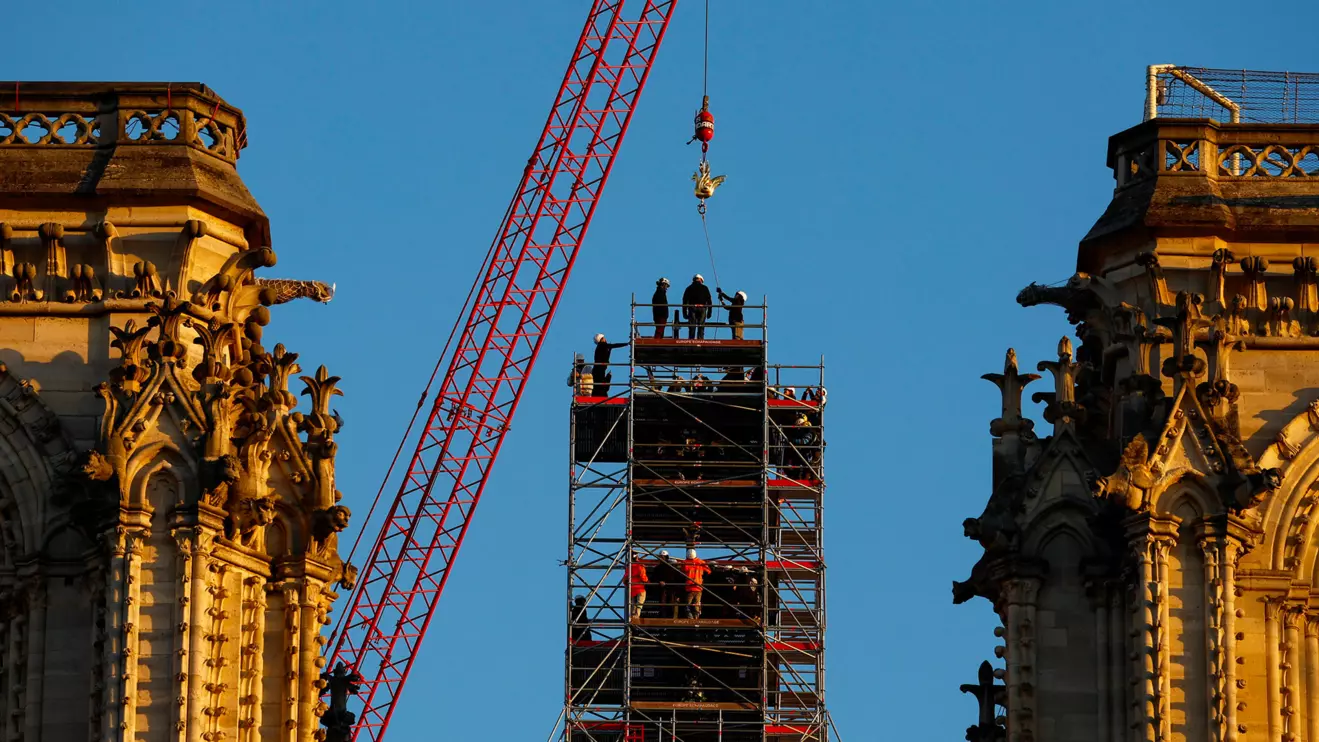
column 652, row 351
column 693, row 705
column 696, row 622
column 696, row 444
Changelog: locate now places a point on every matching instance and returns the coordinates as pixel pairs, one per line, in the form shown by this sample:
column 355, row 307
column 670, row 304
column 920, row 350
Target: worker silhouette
column 668, row 575
column 637, row 579
column 659, row 306
column 696, row 307
column 696, row 569
column 734, row 306
column 581, row 629
column 600, row 374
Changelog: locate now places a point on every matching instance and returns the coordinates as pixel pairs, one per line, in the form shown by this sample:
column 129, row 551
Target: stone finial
column 1062, row 408
column 1010, row 384
column 338, row 720
column 988, row 695
column 1184, row 363
column 132, row 371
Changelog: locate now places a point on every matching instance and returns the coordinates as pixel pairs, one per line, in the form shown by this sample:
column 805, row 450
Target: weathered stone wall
column 168, row 517
column 1152, row 553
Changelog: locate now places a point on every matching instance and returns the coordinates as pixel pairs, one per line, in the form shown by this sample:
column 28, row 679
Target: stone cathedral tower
column 168, row 517
column 1152, row 552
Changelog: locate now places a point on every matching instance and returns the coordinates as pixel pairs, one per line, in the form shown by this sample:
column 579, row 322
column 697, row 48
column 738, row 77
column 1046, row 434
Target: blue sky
column 896, row 173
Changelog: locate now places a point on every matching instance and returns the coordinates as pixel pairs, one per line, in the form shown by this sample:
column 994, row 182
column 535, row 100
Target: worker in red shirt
column 637, row 579
column 696, row 569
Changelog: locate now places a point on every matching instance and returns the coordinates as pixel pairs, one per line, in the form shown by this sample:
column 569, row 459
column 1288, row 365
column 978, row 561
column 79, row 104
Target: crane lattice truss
column 515, row 299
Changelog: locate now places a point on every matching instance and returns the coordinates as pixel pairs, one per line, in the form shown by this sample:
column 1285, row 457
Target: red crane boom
column 515, row 298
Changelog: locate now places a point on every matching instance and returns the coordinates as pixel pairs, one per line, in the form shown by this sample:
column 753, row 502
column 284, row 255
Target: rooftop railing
column 1214, row 150
column 96, row 115
column 1236, row 96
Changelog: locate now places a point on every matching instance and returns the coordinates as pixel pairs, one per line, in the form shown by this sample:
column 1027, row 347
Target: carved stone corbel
column 1216, row 291
column 236, row 272
column 1257, row 292
column 1307, row 292
column 25, row 283
column 1238, row 323
column 52, row 243
column 1159, row 293
column 83, row 285
column 146, row 280
column 1280, row 322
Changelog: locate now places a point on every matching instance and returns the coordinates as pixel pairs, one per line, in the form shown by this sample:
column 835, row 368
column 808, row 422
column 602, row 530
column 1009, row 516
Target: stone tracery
column 1172, row 451
column 175, row 495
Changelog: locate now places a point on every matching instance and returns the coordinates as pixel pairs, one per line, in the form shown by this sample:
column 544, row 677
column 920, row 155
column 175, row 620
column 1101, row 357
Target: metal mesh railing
column 1175, row 91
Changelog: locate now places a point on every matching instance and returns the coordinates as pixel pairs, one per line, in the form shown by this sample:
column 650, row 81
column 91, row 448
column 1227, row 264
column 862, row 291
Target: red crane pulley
column 704, row 125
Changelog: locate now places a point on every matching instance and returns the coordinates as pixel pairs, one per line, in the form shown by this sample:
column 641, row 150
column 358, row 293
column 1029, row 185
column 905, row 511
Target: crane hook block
column 704, row 123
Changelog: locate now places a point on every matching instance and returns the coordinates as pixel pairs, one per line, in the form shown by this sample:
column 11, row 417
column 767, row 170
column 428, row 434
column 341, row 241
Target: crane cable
column 705, row 96
column 705, row 76
column 709, row 248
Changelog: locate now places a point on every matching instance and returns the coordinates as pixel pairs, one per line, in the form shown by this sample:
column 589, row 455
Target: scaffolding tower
column 696, row 444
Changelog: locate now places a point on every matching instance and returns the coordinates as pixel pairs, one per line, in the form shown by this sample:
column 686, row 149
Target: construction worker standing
column 696, row 301
column 581, row 630
column 696, row 569
column 637, row 579
column 659, row 307
column 734, row 307
column 600, row 374
column 670, row 579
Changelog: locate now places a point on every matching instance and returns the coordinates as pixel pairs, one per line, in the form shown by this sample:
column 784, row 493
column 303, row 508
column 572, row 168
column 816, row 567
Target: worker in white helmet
column 696, row 309
column 600, row 371
column 659, row 306
column 734, row 307
column 696, row 569
column 668, row 575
